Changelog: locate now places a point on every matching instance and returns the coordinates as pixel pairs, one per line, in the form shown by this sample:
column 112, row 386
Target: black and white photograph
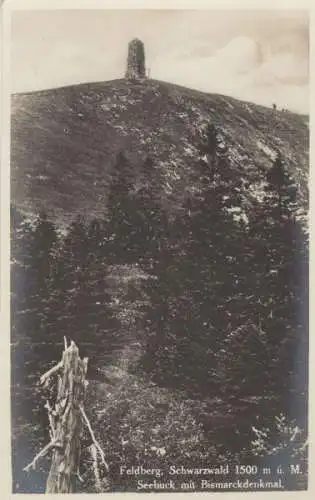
column 159, row 250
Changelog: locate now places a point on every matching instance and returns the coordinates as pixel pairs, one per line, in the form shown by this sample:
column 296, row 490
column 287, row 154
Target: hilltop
column 65, row 141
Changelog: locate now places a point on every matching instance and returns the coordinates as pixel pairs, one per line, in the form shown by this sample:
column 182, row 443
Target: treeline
column 224, row 305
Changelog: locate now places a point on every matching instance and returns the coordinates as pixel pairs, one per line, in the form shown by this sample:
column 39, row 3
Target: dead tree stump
column 66, row 423
column 66, row 419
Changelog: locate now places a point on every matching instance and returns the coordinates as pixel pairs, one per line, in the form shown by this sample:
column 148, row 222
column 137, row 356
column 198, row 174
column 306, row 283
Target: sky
column 258, row 56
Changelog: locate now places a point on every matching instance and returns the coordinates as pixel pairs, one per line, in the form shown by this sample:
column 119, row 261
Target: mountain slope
column 65, row 140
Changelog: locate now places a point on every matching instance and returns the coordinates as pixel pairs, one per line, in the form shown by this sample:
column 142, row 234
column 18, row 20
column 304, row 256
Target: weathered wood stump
column 66, row 418
column 66, row 423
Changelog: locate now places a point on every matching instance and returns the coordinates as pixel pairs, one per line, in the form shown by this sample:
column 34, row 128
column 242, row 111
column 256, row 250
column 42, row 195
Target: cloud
column 284, row 67
column 241, row 54
column 241, row 69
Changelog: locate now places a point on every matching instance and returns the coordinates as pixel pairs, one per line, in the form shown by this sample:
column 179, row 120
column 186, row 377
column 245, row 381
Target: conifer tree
column 120, row 211
column 82, row 302
column 281, row 191
column 45, row 237
column 279, row 280
column 43, row 241
column 205, row 268
column 69, row 274
column 33, row 254
column 21, row 234
column 148, row 217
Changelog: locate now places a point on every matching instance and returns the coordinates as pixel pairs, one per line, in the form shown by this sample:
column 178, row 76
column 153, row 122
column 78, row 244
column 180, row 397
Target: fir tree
column 279, row 281
column 281, row 191
column 204, row 264
column 120, row 211
column 148, row 218
column 82, row 302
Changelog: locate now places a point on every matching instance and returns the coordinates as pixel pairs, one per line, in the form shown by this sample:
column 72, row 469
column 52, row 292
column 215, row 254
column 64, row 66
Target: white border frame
column 5, row 418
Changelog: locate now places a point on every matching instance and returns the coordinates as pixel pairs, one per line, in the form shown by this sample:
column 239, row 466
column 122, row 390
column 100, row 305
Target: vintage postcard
column 156, row 201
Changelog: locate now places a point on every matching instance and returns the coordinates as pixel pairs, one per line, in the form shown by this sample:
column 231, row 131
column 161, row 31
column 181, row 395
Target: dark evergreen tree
column 135, row 216
column 162, row 290
column 33, row 246
column 45, row 238
column 201, row 279
column 280, row 283
column 148, row 218
column 39, row 261
column 120, row 211
column 281, row 191
column 82, row 303
column 209, row 147
column 214, row 259
column 20, row 259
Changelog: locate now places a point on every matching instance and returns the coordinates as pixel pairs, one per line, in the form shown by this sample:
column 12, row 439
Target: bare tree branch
column 93, row 451
column 99, row 449
column 41, row 454
column 50, row 372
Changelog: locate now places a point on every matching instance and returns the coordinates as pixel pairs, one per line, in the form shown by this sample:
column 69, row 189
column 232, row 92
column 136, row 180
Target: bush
column 284, row 437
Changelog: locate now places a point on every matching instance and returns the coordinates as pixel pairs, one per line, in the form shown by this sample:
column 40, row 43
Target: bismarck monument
column 136, row 60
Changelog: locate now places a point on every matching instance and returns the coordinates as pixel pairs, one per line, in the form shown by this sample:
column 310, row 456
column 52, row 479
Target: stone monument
column 136, row 60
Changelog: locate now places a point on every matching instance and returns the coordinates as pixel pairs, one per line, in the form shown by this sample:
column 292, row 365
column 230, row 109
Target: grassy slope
column 64, row 141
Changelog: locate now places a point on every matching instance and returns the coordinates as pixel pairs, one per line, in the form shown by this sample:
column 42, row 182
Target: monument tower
column 136, row 60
